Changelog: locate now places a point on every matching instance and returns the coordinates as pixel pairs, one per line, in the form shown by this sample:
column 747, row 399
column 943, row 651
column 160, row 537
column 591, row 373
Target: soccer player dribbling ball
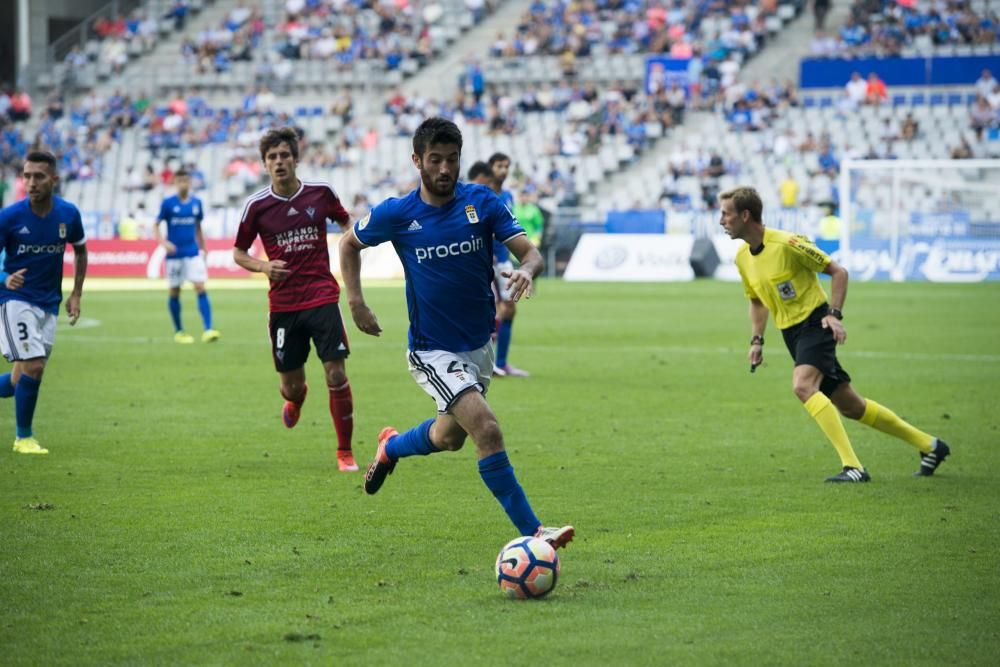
column 778, row 270
column 443, row 234
column 34, row 233
column 290, row 218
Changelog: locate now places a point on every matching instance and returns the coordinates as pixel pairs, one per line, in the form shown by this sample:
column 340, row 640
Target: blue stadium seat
column 317, row 111
column 936, row 100
column 918, row 100
column 954, row 99
column 808, row 102
column 825, row 102
column 301, row 112
column 970, row 99
column 898, row 100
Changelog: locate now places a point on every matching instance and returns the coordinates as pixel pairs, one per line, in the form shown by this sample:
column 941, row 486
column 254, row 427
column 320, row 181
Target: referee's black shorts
column 810, row 344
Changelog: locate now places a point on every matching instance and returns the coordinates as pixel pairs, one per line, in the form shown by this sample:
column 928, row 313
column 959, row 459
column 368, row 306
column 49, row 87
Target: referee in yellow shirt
column 779, row 276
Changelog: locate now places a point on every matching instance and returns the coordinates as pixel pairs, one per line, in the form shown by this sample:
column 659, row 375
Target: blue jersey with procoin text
column 447, row 256
column 38, row 245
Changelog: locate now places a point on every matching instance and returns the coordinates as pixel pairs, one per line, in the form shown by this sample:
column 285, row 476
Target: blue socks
column 25, row 398
column 205, row 308
column 415, row 442
column 503, row 341
column 498, row 475
column 6, row 388
column 174, row 304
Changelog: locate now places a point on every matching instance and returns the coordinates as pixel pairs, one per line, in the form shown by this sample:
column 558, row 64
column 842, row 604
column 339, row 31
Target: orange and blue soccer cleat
column 382, row 466
column 290, row 412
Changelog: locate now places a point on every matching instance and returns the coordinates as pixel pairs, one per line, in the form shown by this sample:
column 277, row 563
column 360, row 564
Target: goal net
column 936, row 220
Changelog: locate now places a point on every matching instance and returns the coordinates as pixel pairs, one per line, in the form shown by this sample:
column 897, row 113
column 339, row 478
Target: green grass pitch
column 176, row 521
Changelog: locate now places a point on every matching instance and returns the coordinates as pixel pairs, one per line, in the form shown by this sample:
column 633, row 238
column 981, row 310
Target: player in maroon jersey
column 290, row 217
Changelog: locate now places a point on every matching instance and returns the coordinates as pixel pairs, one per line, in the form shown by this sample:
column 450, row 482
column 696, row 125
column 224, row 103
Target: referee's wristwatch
column 836, row 312
column 756, row 340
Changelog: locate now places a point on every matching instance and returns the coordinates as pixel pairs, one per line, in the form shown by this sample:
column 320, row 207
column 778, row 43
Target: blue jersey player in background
column 443, row 233
column 185, row 245
column 34, row 233
column 499, row 164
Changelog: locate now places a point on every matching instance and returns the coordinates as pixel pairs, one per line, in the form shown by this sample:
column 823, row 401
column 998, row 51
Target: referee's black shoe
column 930, row 461
column 851, row 475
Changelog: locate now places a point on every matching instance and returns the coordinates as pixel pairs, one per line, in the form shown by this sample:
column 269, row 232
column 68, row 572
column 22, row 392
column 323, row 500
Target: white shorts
column 500, row 283
column 447, row 375
column 26, row 331
column 180, row 269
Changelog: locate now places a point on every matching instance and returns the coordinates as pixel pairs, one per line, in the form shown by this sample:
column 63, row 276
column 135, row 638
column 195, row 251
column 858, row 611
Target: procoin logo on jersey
column 62, row 230
column 449, row 250
column 470, row 213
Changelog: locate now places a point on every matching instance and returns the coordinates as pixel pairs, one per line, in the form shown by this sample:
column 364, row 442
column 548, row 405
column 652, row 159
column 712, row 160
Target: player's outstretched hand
column 169, row 247
column 73, row 308
column 275, row 270
column 365, row 319
column 520, row 284
column 16, row 279
column 839, row 332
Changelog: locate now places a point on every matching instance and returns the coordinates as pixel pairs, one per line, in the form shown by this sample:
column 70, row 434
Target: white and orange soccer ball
column 527, row 567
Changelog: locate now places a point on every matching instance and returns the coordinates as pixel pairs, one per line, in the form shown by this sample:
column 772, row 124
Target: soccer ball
column 527, row 567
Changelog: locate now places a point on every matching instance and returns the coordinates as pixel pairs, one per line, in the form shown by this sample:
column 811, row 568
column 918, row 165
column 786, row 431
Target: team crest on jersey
column 364, row 221
column 62, row 230
column 470, row 213
column 310, row 212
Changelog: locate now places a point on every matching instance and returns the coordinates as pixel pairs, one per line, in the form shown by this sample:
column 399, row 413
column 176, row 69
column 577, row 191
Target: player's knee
column 336, row 377
column 804, row 389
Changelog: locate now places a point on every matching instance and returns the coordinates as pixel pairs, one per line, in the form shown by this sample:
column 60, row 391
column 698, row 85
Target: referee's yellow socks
column 826, row 415
column 883, row 419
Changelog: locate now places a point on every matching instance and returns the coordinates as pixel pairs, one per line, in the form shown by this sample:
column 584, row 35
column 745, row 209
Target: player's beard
column 435, row 187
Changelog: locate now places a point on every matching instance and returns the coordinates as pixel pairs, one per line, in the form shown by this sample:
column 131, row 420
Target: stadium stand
column 565, row 91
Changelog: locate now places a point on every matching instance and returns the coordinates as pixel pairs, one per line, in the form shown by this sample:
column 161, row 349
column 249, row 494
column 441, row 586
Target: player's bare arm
column 531, row 264
column 350, row 267
column 276, row 270
column 758, row 323
column 838, row 294
column 79, row 273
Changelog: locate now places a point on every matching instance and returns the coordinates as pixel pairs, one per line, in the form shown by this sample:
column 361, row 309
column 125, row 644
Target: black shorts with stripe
column 810, row 344
column 291, row 332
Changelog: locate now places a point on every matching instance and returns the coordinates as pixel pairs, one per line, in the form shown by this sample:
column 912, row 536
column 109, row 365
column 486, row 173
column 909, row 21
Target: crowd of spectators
column 346, row 31
column 887, row 27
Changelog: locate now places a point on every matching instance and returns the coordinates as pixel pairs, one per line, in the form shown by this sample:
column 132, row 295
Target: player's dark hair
column 745, row 198
column 44, row 157
column 479, row 168
column 272, row 138
column 182, row 172
column 498, row 157
column 433, row 131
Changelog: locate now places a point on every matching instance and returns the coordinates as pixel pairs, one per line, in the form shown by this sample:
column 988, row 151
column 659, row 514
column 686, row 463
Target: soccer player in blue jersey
column 499, row 165
column 34, row 233
column 443, row 233
column 185, row 245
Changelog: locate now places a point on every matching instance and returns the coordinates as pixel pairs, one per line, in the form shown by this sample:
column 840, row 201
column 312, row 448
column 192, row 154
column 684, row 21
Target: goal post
column 935, row 220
